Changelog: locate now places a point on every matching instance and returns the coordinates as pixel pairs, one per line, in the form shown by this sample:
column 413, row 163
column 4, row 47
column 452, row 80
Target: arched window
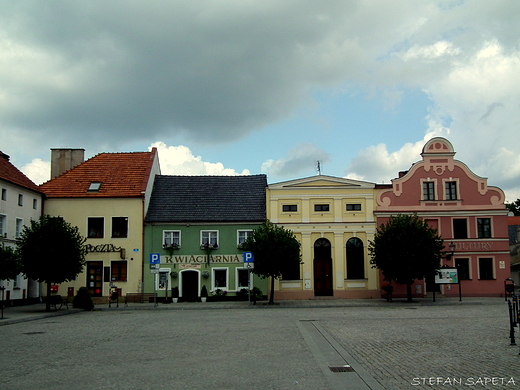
column 355, row 259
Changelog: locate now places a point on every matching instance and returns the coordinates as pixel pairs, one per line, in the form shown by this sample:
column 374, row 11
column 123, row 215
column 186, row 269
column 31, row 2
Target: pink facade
column 465, row 211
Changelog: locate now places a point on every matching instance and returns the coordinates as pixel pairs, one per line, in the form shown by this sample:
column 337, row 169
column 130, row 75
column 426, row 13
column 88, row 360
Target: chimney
column 63, row 159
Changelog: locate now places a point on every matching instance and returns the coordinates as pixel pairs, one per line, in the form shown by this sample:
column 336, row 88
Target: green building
column 196, row 224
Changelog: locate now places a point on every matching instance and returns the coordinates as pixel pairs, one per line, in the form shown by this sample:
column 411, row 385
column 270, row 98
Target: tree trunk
column 409, row 292
column 48, row 298
column 271, row 296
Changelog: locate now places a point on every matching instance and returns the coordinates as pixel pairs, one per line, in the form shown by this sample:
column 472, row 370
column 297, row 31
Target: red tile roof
column 121, row 175
column 10, row 173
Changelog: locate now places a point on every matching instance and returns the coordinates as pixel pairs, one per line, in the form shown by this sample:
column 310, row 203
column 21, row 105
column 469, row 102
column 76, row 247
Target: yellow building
column 106, row 197
column 333, row 219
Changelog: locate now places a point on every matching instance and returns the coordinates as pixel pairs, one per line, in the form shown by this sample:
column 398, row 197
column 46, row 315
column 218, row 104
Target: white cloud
column 438, row 49
column 376, row 164
column 302, row 159
column 179, row 160
column 37, row 170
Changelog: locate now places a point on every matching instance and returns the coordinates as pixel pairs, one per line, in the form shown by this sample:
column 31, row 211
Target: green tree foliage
column 275, row 251
column 51, row 251
column 9, row 263
column 406, row 248
column 514, row 207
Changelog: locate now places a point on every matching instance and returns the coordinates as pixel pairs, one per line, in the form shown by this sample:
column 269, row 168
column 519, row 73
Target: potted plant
column 175, row 294
column 203, row 294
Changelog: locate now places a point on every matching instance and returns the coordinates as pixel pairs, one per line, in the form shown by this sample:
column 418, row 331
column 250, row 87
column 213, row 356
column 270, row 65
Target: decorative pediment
column 322, row 181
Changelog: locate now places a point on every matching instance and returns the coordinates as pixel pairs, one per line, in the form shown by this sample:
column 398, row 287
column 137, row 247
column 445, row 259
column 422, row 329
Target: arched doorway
column 189, row 285
column 322, row 268
column 355, row 259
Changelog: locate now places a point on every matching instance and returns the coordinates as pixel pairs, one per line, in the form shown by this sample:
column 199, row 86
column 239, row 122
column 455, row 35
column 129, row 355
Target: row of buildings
column 193, row 226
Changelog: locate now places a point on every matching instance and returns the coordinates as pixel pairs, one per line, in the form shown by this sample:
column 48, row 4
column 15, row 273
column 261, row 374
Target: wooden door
column 322, row 268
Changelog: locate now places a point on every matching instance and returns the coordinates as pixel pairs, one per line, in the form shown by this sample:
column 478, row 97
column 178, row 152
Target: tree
column 51, row 251
column 275, row 250
column 9, row 263
column 514, row 207
column 406, row 248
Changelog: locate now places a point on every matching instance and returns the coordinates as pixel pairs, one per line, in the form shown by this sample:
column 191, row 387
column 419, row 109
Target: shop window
column 428, row 190
column 484, row 227
column 118, row 271
column 460, row 228
column 96, row 227
column 171, row 237
column 242, row 278
column 463, row 269
column 355, row 259
column 220, row 278
column 354, row 207
column 287, row 208
column 242, row 236
column 485, row 267
column 163, row 279
column 321, row 207
column 451, row 190
column 119, row 227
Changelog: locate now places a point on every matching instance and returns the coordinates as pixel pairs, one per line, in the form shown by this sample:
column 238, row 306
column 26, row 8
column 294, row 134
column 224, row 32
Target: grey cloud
column 215, row 70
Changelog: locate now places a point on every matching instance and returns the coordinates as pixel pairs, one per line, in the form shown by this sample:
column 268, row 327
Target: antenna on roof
column 318, row 167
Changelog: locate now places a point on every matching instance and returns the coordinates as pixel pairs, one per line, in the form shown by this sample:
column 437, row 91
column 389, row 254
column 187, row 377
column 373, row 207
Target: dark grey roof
column 208, row 199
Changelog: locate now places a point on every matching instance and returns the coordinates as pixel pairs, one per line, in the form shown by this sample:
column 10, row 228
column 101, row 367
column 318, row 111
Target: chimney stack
column 63, row 159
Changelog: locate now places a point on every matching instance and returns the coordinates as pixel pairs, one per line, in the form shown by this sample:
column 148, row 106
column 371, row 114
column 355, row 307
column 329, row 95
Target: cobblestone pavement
column 402, row 346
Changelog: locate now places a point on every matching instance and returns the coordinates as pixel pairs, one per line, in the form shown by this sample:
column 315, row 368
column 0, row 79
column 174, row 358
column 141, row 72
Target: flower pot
column 203, row 299
column 175, row 300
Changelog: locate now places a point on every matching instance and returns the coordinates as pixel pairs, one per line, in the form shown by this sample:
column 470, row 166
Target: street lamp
column 452, row 249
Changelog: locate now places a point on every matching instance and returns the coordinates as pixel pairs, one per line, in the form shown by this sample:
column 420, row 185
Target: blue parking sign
column 248, row 257
column 155, row 258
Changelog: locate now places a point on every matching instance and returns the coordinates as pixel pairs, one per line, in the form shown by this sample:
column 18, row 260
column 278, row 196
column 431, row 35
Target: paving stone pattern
column 246, row 348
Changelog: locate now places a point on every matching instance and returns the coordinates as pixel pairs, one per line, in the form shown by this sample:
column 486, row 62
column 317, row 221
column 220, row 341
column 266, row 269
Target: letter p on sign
column 248, row 257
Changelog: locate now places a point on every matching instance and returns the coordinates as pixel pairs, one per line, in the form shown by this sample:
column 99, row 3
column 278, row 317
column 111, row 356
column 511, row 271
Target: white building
column 20, row 202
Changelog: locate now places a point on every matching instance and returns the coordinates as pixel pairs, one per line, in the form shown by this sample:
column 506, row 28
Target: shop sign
column 199, row 259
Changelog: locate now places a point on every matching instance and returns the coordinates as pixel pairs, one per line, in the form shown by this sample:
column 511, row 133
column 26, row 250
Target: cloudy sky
column 259, row 86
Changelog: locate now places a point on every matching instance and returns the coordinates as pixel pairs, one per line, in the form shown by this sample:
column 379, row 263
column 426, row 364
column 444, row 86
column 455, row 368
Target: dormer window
column 94, row 186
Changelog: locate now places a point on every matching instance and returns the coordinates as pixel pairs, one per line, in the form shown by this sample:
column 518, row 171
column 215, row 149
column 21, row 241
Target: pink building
column 465, row 211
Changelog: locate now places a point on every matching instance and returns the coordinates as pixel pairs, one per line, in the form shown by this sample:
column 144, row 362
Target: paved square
column 399, row 346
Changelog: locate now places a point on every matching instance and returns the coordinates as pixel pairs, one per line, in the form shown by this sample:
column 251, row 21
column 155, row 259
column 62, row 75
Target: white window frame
column 247, row 232
column 18, row 227
column 211, row 235
column 165, row 234
column 434, row 181
column 166, row 286
column 457, row 192
column 3, row 225
column 213, row 287
column 237, row 287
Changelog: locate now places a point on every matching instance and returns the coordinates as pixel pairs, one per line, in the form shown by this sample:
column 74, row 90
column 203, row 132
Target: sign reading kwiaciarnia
column 196, row 259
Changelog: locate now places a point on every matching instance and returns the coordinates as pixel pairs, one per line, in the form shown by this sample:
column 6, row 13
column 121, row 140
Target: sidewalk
column 18, row 314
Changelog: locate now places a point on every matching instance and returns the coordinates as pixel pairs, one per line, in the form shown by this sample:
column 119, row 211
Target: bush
column 83, row 300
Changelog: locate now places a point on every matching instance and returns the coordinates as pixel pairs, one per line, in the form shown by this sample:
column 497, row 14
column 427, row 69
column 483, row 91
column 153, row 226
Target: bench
column 139, row 297
column 55, row 300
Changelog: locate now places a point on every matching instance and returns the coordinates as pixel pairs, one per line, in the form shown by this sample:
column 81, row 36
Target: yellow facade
column 105, row 251
column 325, row 213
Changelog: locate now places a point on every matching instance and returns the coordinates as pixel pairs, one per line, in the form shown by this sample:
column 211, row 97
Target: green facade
column 188, row 267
